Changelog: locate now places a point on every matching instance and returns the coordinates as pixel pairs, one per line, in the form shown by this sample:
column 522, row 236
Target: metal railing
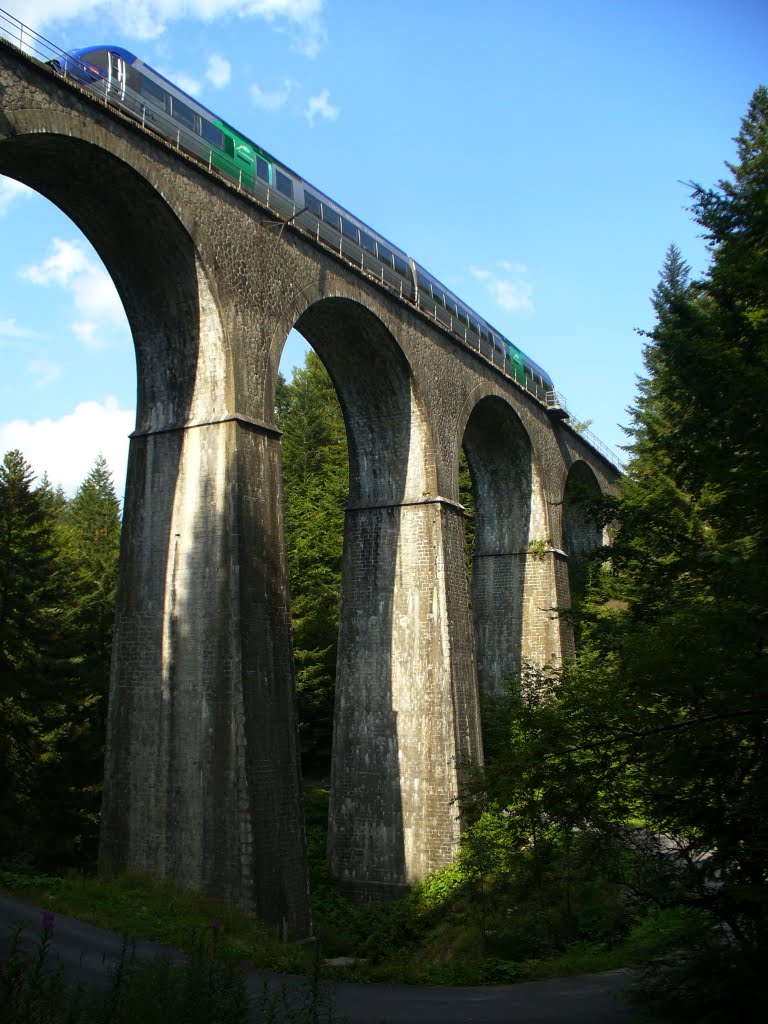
column 286, row 211
column 27, row 40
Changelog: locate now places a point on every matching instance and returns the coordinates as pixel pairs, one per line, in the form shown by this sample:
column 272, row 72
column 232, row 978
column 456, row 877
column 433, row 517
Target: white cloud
column 43, row 370
column 511, row 294
column 320, row 106
column 513, row 268
column 65, row 262
column 186, row 82
column 10, row 329
column 10, row 191
column 66, row 448
column 95, row 299
column 86, row 331
column 219, row 71
column 147, row 19
column 480, row 274
column 273, row 99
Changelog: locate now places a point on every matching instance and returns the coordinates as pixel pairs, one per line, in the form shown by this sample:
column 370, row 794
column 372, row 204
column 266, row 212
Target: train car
column 355, row 241
column 137, row 88
column 127, row 82
column 439, row 302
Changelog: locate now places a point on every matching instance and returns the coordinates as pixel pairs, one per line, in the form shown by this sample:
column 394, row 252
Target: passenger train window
column 401, row 266
column 385, row 255
column 262, row 169
column 212, row 134
column 132, row 78
column 284, row 184
column 98, row 58
column 332, row 218
column 474, row 326
column 152, row 91
column 182, row 113
column 423, row 283
column 349, row 230
column 229, row 146
column 312, row 203
column 367, row 243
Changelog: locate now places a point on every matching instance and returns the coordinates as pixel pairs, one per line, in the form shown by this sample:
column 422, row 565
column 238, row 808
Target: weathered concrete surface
column 201, row 778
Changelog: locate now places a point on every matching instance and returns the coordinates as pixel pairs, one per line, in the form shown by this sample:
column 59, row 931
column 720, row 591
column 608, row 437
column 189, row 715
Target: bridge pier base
column 407, row 713
column 517, row 598
column 201, row 781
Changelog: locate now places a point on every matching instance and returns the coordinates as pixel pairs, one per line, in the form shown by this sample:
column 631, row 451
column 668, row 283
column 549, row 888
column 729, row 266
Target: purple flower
column 48, row 918
column 216, row 927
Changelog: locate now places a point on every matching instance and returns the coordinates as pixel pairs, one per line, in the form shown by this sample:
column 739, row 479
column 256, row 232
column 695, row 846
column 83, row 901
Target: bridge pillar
column 201, row 778
column 516, row 601
column 547, row 634
column 406, row 703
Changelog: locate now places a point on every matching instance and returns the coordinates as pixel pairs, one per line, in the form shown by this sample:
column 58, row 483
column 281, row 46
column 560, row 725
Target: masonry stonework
column 202, row 775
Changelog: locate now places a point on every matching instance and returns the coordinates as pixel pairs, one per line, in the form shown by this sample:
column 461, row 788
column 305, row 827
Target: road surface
column 87, row 954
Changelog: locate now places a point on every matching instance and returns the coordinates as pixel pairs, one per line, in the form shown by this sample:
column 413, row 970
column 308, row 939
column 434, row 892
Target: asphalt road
column 87, row 954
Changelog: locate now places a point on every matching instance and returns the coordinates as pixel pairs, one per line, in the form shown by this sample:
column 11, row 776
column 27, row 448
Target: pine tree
column 662, row 719
column 69, row 784
column 33, row 652
column 316, row 477
column 674, row 668
column 92, row 531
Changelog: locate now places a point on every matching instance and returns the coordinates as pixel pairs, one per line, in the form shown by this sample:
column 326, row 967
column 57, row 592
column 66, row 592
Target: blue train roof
column 82, row 52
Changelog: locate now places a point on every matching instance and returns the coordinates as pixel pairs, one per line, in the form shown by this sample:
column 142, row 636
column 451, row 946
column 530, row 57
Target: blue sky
column 530, row 156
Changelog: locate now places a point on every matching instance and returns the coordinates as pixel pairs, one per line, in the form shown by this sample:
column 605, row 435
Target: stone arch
column 201, row 782
column 387, row 431
column 145, row 247
column 400, row 727
column 511, row 603
column 581, row 532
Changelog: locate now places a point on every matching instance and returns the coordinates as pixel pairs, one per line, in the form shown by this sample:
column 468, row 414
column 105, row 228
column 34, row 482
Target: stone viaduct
column 202, row 780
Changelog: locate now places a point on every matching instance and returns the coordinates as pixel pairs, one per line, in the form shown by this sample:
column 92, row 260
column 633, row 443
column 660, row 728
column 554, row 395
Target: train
column 127, row 82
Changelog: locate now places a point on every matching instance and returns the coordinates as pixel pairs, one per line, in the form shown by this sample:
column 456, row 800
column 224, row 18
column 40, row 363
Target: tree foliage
column 316, row 479
column 30, row 630
column 690, row 563
column 58, row 574
column 657, row 734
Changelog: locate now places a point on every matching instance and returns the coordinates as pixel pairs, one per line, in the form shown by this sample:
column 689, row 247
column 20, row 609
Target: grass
column 205, row 986
column 446, row 931
column 137, row 905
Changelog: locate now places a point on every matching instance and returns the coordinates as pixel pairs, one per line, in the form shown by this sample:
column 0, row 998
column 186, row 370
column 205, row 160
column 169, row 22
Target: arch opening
column 366, row 836
column 582, row 533
column 394, row 735
column 506, row 517
column 146, row 250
